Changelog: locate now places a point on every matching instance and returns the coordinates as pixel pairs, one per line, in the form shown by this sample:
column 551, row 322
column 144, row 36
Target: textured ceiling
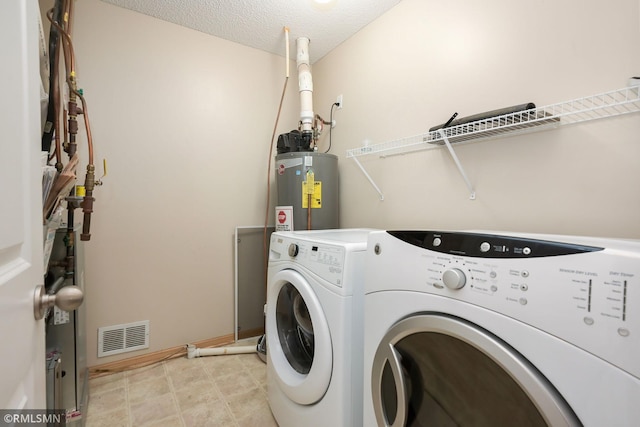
column 259, row 23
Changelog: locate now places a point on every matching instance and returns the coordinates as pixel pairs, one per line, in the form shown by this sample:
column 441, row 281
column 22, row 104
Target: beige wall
column 424, row 60
column 185, row 122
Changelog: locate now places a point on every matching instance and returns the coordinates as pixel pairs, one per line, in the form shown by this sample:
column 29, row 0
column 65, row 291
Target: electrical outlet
column 339, row 102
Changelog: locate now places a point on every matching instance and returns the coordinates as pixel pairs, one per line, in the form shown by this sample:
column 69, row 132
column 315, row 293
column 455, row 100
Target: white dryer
column 474, row 328
column 314, row 332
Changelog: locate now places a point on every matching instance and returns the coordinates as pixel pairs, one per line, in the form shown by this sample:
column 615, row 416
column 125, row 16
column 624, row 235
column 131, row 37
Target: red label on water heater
column 284, row 218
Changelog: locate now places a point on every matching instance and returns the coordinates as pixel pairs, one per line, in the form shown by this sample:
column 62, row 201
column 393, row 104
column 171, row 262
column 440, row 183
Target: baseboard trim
column 155, row 357
column 250, row 333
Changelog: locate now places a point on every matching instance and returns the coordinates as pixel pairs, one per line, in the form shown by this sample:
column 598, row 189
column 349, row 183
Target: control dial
column 454, row 278
column 293, row 250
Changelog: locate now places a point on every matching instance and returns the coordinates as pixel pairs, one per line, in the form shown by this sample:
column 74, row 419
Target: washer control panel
column 325, row 260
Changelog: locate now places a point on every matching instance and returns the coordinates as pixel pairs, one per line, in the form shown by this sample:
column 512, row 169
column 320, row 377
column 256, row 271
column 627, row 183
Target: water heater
column 308, row 181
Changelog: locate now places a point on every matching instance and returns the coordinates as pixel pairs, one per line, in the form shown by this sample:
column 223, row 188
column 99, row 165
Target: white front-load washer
column 313, row 328
column 485, row 329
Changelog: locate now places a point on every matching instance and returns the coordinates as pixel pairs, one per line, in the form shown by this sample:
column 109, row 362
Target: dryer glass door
column 435, row 370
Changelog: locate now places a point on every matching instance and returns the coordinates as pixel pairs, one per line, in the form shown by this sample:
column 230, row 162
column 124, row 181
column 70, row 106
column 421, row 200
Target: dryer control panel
column 583, row 290
column 483, row 245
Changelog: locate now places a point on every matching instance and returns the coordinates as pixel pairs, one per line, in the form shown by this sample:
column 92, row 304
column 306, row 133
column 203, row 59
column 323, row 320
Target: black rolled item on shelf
column 486, row 115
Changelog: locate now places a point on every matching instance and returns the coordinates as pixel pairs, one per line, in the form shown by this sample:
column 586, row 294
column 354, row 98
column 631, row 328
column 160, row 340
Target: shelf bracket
column 369, row 178
column 472, row 192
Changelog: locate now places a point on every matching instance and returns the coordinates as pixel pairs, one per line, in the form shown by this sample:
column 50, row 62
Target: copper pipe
column 318, row 117
column 66, row 24
column 85, row 114
column 68, row 60
column 309, row 212
column 74, row 93
column 72, row 85
column 70, row 145
column 89, row 181
column 56, row 107
column 265, row 244
column 318, row 127
column 65, row 132
column 67, row 44
column 70, row 12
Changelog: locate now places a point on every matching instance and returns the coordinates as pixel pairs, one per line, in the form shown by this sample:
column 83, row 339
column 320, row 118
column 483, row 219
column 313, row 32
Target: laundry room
column 185, row 127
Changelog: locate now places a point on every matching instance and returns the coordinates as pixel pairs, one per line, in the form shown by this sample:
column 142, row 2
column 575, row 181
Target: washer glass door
column 437, row 370
column 298, row 339
column 295, row 328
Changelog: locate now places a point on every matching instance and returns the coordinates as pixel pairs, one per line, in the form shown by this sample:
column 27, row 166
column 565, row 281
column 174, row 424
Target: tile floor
column 214, row 391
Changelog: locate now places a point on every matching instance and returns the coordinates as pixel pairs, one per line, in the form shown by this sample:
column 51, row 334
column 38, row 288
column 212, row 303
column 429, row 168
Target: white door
column 22, row 341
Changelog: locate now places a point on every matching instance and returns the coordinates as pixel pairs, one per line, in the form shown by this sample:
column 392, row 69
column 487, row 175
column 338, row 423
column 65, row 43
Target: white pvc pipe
column 193, row 352
column 286, row 49
column 305, row 84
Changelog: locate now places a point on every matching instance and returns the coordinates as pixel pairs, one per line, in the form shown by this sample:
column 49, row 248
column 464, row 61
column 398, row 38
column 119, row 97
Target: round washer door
column 439, row 370
column 298, row 338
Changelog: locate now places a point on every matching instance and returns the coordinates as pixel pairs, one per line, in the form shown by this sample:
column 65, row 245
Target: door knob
column 68, row 298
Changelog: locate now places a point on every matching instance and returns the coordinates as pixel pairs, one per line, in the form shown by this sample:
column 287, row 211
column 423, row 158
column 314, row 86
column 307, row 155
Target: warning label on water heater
column 284, row 218
column 314, row 193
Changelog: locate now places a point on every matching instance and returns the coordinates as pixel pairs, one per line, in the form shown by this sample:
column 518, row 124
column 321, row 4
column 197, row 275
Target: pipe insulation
column 193, row 351
column 305, row 84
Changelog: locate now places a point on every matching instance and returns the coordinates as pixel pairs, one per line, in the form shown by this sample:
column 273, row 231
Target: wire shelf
column 609, row 104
